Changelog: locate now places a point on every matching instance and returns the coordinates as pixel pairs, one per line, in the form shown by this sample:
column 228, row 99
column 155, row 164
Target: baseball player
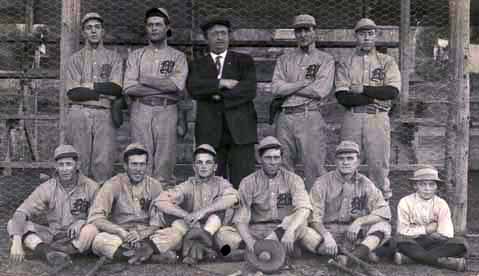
column 425, row 229
column 200, row 202
column 274, row 205
column 154, row 80
column 348, row 209
column 366, row 83
column 121, row 210
column 65, row 200
column 301, row 79
column 93, row 82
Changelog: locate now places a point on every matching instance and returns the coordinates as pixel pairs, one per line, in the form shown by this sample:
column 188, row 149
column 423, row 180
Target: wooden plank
column 405, row 54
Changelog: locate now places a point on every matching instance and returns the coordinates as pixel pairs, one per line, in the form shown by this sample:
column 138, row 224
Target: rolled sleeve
column 180, row 72
column 393, row 75
column 342, row 77
column 279, row 76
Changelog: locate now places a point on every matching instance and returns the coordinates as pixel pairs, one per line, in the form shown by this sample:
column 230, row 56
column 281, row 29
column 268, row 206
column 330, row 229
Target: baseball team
column 230, row 209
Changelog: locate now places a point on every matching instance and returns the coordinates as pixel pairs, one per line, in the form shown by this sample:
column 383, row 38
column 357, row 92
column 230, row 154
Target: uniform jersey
column 296, row 65
column 121, row 202
column 91, row 65
column 373, row 69
column 415, row 213
column 62, row 208
column 270, row 200
column 162, row 63
column 335, row 200
column 192, row 195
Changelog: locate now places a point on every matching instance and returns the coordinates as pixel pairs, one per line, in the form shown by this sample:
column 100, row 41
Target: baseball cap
column 426, row 173
column 132, row 149
column 303, row 20
column 365, row 24
column 161, row 12
column 268, row 142
column 91, row 15
column 205, row 148
column 347, row 147
column 215, row 21
column 65, row 151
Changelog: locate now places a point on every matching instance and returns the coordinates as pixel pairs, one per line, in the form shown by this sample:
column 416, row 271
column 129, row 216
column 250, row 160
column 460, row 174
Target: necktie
column 218, row 63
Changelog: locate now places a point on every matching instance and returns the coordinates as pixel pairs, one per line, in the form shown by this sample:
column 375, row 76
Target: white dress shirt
column 222, row 61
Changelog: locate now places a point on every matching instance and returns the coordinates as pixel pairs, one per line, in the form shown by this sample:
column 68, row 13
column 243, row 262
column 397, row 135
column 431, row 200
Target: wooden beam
column 459, row 121
column 405, row 54
column 70, row 40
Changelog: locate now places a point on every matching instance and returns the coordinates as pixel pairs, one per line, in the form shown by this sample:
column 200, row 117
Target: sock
column 361, row 251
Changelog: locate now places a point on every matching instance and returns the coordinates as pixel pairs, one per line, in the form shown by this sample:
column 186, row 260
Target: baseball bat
column 343, row 268
column 369, row 269
column 97, row 266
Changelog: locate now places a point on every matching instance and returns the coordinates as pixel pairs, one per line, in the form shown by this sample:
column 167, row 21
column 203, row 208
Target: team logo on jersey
column 284, row 200
column 378, row 75
column 311, row 71
column 79, row 206
column 145, row 204
column 167, row 66
column 358, row 205
column 105, row 71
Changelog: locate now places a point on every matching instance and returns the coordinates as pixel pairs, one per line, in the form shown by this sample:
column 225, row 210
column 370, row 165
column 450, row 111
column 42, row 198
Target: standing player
column 366, row 83
column 93, row 81
column 426, row 232
column 224, row 85
column 154, row 79
column 348, row 209
column 65, row 200
column 302, row 78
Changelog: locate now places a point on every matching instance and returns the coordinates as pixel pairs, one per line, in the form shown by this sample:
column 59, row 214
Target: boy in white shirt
column 425, row 229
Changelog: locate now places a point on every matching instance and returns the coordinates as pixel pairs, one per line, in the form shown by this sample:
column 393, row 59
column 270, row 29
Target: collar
column 357, row 51
column 420, row 199
column 343, row 180
column 311, row 50
column 222, row 55
column 90, row 48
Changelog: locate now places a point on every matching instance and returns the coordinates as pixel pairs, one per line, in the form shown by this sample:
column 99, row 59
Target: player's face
column 204, row 165
column 426, row 189
column 366, row 39
column 93, row 31
column 136, row 167
column 66, row 168
column 156, row 28
column 305, row 36
column 218, row 38
column 347, row 163
column 271, row 161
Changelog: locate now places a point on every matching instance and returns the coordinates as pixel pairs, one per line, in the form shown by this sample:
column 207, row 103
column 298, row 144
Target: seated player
column 349, row 211
column 425, row 229
column 65, row 200
column 198, row 206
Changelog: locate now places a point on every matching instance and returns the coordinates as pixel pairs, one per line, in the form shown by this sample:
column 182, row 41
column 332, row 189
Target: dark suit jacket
column 236, row 105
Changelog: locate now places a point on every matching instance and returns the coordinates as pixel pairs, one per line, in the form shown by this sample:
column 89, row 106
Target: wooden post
column 405, row 55
column 70, row 40
column 459, row 54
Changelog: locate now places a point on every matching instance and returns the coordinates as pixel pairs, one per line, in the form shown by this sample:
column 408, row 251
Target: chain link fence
column 30, row 33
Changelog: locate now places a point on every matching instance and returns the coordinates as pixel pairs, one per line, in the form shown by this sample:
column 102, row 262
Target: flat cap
column 132, row 149
column 215, row 21
column 65, row 151
column 157, row 12
column 91, row 15
column 269, row 142
column 347, row 147
column 426, row 173
column 365, row 24
column 303, row 20
column 205, row 148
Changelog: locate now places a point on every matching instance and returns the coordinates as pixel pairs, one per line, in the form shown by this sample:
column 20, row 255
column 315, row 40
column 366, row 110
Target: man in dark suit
column 224, row 84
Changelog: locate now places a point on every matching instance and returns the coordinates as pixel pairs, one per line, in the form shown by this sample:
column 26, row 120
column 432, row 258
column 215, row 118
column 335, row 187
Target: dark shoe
column 457, row 264
column 57, row 258
column 168, row 257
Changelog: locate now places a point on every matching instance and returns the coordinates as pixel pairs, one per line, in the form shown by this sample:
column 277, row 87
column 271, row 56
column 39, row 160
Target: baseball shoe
column 457, row 264
column 57, row 258
column 168, row 257
column 401, row 259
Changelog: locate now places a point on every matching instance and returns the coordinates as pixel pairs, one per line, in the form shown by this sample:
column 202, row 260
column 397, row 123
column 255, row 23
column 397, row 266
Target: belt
column 276, row 221
column 298, row 109
column 156, row 101
column 338, row 222
column 366, row 109
column 89, row 106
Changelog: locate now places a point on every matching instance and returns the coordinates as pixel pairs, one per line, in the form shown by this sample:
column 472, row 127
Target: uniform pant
column 92, row 133
column 304, row 137
column 372, row 133
column 35, row 234
column 155, row 128
column 235, row 162
column 427, row 250
column 306, row 236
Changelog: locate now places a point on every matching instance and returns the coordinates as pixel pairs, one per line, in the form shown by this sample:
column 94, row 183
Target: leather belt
column 275, row 221
column 298, row 109
column 156, row 101
column 366, row 109
column 89, row 106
